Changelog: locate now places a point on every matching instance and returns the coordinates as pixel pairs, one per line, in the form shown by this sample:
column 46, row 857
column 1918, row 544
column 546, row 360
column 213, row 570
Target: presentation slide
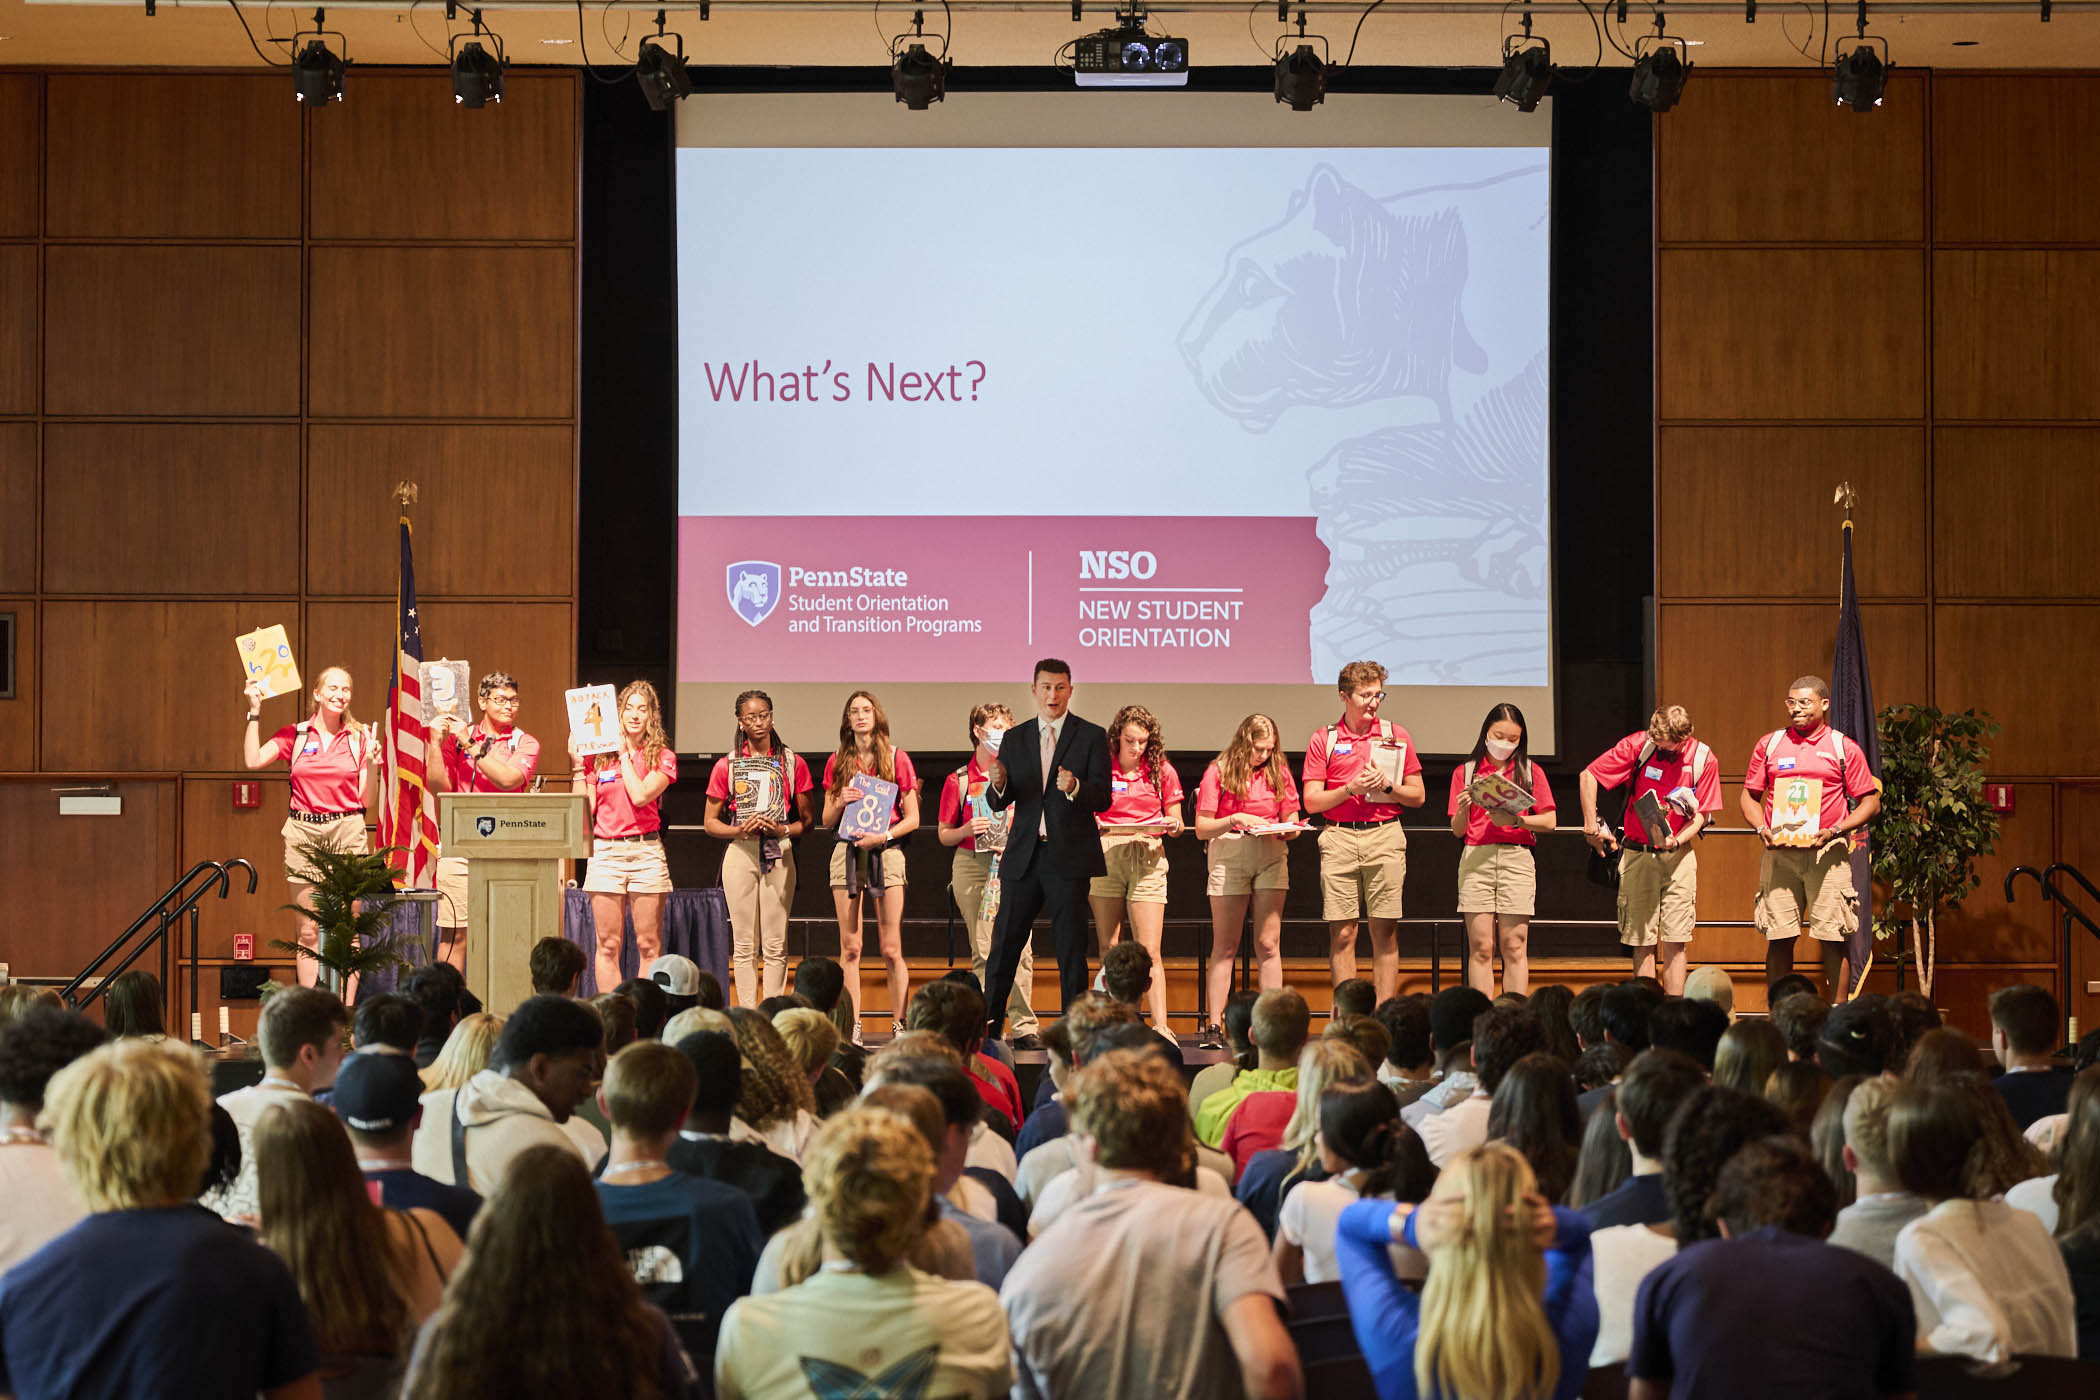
column 1207, row 421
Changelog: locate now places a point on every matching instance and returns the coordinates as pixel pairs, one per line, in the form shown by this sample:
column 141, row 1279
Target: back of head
column 967, row 976
column 1954, row 1137
column 1133, row 1105
column 949, row 1009
column 1775, row 1182
column 1126, row 971
column 555, row 964
column 1363, row 1032
column 1711, row 1126
column 1786, row 985
column 652, row 1006
column 1133, row 1034
column 134, row 1004
column 1799, row 1020
column 546, row 1025
column 696, row 1018
column 940, row 1075
column 617, row 1013
column 436, row 990
column 1322, row 1064
column 1552, row 1004
column 466, row 1051
column 1452, row 1012
column 2077, row 1190
column 1798, row 1087
column 1503, row 1035
column 38, row 1044
column 1826, row 1138
column 771, row 1007
column 1586, row 1015
column 1747, row 1055
column 297, row 1017
column 870, row 1175
column 1857, row 1038
column 1237, row 1019
column 1711, row 983
column 1605, row 1161
column 390, row 1019
column 1624, row 1013
column 822, row 980
column 1691, row 1028
column 1534, row 1111
column 1913, row 1015
column 131, row 1124
column 915, row 1106
column 2027, row 1016
column 775, row 1088
column 1655, row 1086
column 1483, row 1329
column 1091, row 1015
column 1600, row 1065
column 1940, row 1052
column 1360, row 1123
column 1867, row 1125
column 1281, row 1023
column 1406, row 1022
column 810, row 1037
column 1353, row 996
column 649, row 1090
column 912, row 1045
column 316, row 1217
column 717, row 1069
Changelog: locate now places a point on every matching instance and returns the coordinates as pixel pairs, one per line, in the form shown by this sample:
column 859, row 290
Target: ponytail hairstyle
column 848, row 762
column 1484, row 1333
column 1323, row 1063
column 1152, row 763
column 1236, row 764
column 1361, row 1124
column 1520, row 760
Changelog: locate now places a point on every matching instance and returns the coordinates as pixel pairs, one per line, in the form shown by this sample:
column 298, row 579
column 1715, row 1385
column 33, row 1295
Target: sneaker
column 1211, row 1037
column 1028, row 1042
column 856, row 1036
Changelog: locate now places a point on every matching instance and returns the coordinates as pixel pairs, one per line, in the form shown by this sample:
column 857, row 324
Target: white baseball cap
column 676, row 974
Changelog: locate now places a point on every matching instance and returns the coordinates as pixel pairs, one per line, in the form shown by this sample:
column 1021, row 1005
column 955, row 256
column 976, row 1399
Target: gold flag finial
column 1845, row 496
column 405, row 493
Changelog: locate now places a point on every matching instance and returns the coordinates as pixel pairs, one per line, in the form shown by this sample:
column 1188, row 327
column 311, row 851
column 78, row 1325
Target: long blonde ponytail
column 1484, row 1333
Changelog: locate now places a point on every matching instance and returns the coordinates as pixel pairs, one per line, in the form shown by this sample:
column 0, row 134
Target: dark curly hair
column 1711, row 1127
column 38, row 1045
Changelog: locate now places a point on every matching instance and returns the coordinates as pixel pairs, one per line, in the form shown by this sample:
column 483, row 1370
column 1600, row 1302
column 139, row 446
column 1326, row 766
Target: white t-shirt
column 988, row 1149
column 1987, row 1281
column 2037, row 1196
column 37, row 1204
column 1620, row 1257
column 1307, row 1220
column 1078, row 1183
column 903, row 1332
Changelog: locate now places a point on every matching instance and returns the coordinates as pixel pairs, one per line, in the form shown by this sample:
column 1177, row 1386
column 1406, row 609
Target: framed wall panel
column 1986, row 928
column 18, row 328
column 2009, row 334
column 2010, row 506
column 17, row 507
column 18, row 716
column 21, row 111
column 2028, row 666
column 2012, row 158
column 74, row 883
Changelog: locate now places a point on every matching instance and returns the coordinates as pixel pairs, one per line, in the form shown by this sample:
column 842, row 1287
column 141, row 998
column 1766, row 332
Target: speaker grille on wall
column 243, row 982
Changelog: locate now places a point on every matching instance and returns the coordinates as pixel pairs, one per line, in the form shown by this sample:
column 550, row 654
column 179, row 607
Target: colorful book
column 1654, row 817
column 870, row 804
column 756, row 790
column 994, row 839
column 1797, row 812
column 594, row 719
column 266, row 656
column 1499, row 792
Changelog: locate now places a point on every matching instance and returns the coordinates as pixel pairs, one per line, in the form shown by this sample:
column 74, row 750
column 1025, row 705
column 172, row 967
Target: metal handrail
column 161, row 916
column 2045, row 880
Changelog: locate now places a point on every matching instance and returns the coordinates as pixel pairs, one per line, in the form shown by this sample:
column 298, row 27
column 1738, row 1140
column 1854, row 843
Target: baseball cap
column 1857, row 1037
column 676, row 974
column 376, row 1093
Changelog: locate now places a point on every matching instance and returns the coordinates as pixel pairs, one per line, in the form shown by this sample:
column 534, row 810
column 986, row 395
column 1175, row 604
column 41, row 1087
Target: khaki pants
column 1658, row 896
column 967, row 878
column 1793, row 881
column 758, row 917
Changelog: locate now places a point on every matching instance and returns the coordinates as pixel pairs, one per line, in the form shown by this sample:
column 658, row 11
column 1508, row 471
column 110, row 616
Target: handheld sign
column 870, row 804
column 445, row 685
column 266, row 656
column 594, row 719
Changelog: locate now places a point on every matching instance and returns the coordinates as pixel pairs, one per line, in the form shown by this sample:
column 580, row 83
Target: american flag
column 408, row 822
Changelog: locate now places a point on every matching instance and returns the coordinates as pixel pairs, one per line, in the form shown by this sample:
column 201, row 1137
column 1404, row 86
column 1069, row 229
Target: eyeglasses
column 754, row 716
column 1374, row 696
column 503, row 702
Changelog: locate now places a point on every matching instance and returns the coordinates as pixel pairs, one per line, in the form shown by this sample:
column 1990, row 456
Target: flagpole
column 1862, row 948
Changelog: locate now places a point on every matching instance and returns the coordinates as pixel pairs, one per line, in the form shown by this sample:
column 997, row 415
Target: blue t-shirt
column 692, row 1244
column 1773, row 1313
column 402, row 1189
column 164, row 1304
column 993, row 1247
column 1046, row 1121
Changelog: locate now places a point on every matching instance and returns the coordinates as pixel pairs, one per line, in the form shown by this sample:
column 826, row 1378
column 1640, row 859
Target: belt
column 642, row 836
column 322, row 818
column 1382, row 821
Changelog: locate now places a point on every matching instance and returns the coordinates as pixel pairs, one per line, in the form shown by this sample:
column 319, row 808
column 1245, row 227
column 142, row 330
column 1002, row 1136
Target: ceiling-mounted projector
column 1129, row 57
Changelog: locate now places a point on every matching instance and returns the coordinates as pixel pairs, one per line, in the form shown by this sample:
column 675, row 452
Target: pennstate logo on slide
column 485, row 826
column 754, row 589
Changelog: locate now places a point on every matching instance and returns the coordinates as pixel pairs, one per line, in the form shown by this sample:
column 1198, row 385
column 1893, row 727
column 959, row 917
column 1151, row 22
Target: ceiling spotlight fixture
column 659, row 67
column 1301, row 74
column 1860, row 74
column 317, row 72
column 918, row 75
column 477, row 74
column 1527, row 69
column 1661, row 67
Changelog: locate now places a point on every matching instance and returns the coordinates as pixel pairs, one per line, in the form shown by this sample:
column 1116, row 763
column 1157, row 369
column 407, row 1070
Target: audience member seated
column 1409, row 1067
column 1712, row 983
column 1826, row 1139
column 1278, row 1032
column 1506, row 1311
column 652, row 1006
column 1605, row 1162
column 1769, row 1308
column 1276, row 1118
column 1502, row 1035
column 772, row 1006
column 378, row 1097
column 710, row 1146
column 388, row 1024
column 369, row 1276
column 556, row 965
column 1095, row 1025
column 1363, row 1032
column 465, row 1053
column 695, row 1019
column 618, row 1014
column 1691, row 1027
column 1552, row 1004
column 1881, row 1207
column 1797, row 1088
column 544, row 1063
column 16, row 1000
column 866, row 1322
column 956, row 1011
column 1126, row 976
column 1534, row 1111
column 990, row 1154
column 1747, row 1055
column 1452, row 1012
column 148, row 1297
column 1985, row 1279
column 2042, row 1131
column 544, row 1302
column 1914, row 1016
column 1799, row 1019
column 1046, row 1119
column 301, row 1032
column 37, row 1204
column 813, row 1040
column 983, row 1201
column 1364, row 1151
column 2075, row 1184
column 778, row 1102
column 1353, row 996
column 1654, row 1087
column 1586, row 1015
column 1623, row 1013
column 1598, row 1070
column 2025, row 1027
column 680, row 977
column 1237, row 1021
column 436, row 988
column 1941, row 1052
column 135, row 1005
column 1856, row 1038
column 1787, row 985
column 823, row 982
column 1143, row 1288
column 1265, row 1177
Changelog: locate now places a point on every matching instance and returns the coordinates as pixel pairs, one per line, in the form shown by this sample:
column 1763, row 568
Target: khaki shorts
column 1658, row 896
column 627, row 867
column 1361, row 871
column 1137, row 870
column 1793, row 879
column 452, row 892
column 346, row 834
column 1243, row 864
column 1497, row 878
column 892, row 866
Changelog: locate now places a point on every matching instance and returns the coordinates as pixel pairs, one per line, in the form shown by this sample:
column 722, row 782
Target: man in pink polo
column 1363, row 852
column 491, row 756
column 1807, row 789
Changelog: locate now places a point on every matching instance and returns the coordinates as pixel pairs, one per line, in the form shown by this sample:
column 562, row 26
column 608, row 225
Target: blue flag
column 1852, row 714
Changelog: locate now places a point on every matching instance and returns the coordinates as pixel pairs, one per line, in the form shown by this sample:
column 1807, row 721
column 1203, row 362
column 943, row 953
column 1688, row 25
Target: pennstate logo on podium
column 485, row 826
column 754, row 589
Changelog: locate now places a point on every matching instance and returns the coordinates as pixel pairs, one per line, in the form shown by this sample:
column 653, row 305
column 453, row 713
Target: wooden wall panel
column 171, row 330
column 152, row 686
column 1727, row 346
column 213, row 830
column 1986, row 928
column 1733, row 168
column 74, row 883
column 2012, row 158
column 21, row 112
column 443, row 333
column 2010, row 506
column 172, row 155
column 2027, row 665
column 533, row 641
column 496, row 518
column 17, row 507
column 403, row 162
column 1730, row 665
column 143, row 507
column 18, row 337
column 1731, row 501
column 18, row 716
column 2009, row 334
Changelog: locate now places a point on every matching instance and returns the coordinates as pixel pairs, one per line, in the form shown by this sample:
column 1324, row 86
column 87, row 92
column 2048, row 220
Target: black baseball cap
column 377, row 1092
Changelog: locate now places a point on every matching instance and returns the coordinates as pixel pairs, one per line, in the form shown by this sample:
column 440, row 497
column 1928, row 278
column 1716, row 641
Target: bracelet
column 253, row 718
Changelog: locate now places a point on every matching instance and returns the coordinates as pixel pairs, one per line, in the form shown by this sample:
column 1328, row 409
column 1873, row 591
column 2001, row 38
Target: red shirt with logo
column 1133, row 798
column 514, row 746
column 1480, row 831
column 907, row 779
column 327, row 771
column 1212, row 800
column 1810, row 755
column 615, row 814
column 1664, row 774
column 953, row 796
column 1349, row 752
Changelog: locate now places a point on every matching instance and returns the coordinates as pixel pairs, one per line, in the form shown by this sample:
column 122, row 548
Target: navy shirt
column 2034, row 1094
column 1047, row 1121
column 1638, row 1200
column 402, row 1189
column 772, row 1182
column 1773, row 1313
column 692, row 1244
column 164, row 1304
column 1261, row 1187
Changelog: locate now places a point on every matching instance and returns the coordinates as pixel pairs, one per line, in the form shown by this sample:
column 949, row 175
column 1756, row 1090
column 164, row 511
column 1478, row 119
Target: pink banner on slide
column 974, row 598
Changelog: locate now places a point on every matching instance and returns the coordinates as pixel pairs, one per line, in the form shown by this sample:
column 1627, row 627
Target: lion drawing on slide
column 751, row 591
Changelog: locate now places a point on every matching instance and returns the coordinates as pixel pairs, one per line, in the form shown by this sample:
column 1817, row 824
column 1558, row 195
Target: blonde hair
column 131, row 1123
column 1867, row 1123
column 810, row 1037
column 870, row 1177
column 1236, row 764
column 1484, row 1333
column 649, row 1089
column 466, row 1052
column 1323, row 1064
column 693, row 1020
column 350, row 721
column 801, row 1244
column 1669, row 726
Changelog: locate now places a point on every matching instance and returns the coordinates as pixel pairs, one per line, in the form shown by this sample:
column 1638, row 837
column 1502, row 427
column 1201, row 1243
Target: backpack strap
column 1465, row 775
column 460, row 1177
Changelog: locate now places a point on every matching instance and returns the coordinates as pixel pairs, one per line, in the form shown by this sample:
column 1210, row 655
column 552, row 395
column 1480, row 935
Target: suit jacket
column 1073, row 848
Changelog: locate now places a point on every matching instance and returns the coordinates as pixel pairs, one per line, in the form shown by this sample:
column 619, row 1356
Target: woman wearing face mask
column 627, row 872
column 758, row 868
column 1497, row 881
column 977, row 836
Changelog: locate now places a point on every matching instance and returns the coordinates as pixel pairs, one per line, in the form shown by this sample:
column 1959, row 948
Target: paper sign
column 755, row 789
column 445, row 685
column 1797, row 811
column 1389, row 757
column 594, row 722
column 266, row 656
column 870, row 803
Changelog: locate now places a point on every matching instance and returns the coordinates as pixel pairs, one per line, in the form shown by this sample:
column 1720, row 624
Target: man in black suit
column 1053, row 771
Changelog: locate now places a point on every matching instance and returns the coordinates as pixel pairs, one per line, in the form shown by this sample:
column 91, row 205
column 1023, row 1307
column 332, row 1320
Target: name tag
column 1783, row 765
column 1655, row 773
column 312, row 746
column 1119, row 785
column 1340, row 749
column 604, row 778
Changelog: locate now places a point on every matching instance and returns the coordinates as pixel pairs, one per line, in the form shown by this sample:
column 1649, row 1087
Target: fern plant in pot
column 353, row 900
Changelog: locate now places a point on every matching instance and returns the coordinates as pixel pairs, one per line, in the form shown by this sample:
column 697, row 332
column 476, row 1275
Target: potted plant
column 1934, row 822
column 353, row 900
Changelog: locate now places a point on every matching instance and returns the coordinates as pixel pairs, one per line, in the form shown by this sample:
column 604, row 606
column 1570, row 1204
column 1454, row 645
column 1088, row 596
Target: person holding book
column 1675, row 786
column 977, row 834
column 1359, row 773
column 331, row 757
column 491, row 756
column 1499, row 804
column 1144, row 808
column 1806, row 790
column 628, row 874
column 1246, row 789
column 758, row 802
column 871, row 796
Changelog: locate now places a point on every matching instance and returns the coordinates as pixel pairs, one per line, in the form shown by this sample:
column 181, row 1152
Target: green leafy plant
column 1934, row 822
column 353, row 897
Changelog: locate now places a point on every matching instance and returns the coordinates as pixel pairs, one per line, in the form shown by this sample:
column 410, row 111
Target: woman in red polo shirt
column 330, row 755
column 1497, row 880
column 1249, row 785
column 872, row 864
column 628, row 873
column 1144, row 791
column 758, row 868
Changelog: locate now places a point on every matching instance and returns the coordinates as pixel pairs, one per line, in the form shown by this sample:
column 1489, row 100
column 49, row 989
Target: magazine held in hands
column 870, row 804
column 756, row 789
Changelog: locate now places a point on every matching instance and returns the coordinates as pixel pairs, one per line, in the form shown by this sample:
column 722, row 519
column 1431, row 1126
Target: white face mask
column 1500, row 750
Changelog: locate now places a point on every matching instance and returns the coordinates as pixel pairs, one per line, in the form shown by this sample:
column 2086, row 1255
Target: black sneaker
column 1027, row 1042
column 1210, row 1037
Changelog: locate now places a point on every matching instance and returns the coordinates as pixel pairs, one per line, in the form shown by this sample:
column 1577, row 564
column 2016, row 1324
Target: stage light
column 1661, row 67
column 919, row 76
column 1301, row 74
column 1128, row 55
column 659, row 68
column 1859, row 74
column 1527, row 69
column 477, row 74
column 317, row 71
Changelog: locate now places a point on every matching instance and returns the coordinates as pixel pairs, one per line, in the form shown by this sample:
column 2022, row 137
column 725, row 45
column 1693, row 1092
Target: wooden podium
column 514, row 844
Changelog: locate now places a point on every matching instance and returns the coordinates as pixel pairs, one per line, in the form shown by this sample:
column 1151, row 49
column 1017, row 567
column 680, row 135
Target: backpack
column 357, row 742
